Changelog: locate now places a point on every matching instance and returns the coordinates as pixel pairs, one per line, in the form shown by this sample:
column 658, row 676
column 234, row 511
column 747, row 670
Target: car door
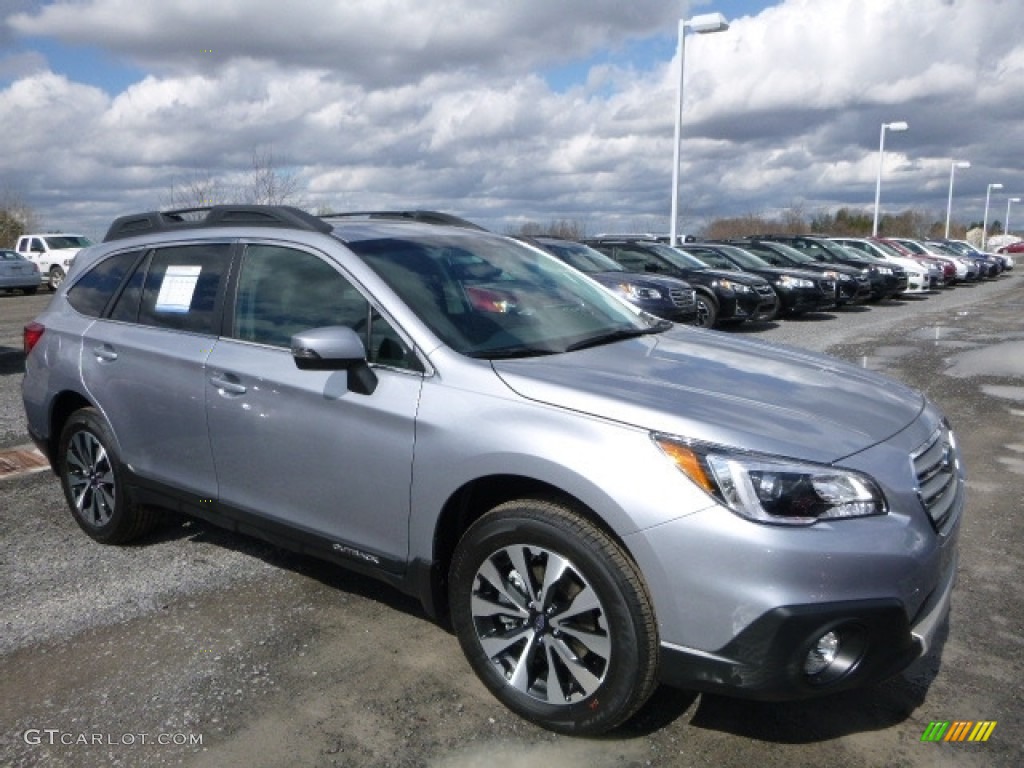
column 298, row 447
column 143, row 364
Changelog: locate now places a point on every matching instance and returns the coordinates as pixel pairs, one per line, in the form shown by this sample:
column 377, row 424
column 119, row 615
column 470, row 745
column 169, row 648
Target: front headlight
column 639, row 292
column 884, row 271
column 768, row 489
column 729, row 285
column 795, row 282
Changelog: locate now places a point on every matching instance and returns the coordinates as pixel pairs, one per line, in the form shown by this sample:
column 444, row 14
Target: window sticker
column 177, row 289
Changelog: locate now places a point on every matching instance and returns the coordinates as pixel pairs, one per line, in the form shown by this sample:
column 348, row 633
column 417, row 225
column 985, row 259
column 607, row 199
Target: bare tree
column 567, row 229
column 267, row 184
column 201, row 191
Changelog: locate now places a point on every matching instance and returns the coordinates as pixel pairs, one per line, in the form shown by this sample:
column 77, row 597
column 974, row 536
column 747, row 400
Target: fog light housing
column 822, row 655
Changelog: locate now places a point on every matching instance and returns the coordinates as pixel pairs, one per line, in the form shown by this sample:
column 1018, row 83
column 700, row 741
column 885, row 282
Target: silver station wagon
column 597, row 500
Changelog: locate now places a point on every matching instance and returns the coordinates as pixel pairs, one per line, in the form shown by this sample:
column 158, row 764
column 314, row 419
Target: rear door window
column 181, row 289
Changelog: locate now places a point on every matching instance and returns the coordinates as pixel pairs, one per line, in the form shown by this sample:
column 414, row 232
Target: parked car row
column 771, row 276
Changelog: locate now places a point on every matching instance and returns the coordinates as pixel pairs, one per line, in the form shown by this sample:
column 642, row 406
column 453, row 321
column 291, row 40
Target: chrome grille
column 682, row 298
column 939, row 483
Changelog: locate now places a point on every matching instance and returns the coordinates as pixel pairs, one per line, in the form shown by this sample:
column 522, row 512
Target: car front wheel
column 91, row 474
column 707, row 312
column 554, row 618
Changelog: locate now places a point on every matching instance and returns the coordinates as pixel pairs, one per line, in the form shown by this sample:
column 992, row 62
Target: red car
column 1017, row 247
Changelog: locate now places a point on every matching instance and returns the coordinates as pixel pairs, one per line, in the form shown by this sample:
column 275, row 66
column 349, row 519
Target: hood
column 803, row 274
column 743, row 278
column 639, row 278
column 706, row 385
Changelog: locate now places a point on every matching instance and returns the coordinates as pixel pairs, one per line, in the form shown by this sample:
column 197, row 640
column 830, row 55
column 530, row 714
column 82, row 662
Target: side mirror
column 335, row 348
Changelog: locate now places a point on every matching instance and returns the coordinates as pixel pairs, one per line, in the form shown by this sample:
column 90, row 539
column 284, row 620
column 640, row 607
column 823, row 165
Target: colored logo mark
column 958, row 730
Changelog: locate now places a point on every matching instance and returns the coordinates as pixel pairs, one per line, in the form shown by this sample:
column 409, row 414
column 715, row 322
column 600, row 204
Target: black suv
column 887, row 279
column 721, row 294
column 665, row 297
column 852, row 283
column 798, row 290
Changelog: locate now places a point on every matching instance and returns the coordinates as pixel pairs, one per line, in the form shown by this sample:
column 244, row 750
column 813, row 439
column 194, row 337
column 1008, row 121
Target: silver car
column 597, row 500
column 17, row 272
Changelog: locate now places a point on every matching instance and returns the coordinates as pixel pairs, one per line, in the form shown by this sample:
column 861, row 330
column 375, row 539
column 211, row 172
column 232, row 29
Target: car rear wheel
column 554, row 618
column 91, row 474
column 707, row 312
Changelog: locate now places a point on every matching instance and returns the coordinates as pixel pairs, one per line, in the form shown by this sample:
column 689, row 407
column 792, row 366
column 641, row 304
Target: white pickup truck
column 52, row 253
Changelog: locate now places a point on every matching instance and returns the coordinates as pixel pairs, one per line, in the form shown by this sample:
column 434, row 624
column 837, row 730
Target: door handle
column 104, row 352
column 228, row 384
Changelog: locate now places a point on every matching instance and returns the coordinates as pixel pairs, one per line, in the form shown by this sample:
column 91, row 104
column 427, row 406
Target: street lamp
column 949, row 205
column 1006, row 229
column 984, row 224
column 896, row 127
column 702, row 25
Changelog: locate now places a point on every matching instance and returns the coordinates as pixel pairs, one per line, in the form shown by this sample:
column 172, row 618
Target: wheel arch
column 64, row 405
column 472, row 501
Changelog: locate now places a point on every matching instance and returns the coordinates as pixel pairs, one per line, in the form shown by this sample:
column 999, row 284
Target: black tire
column 707, row 312
column 591, row 634
column 56, row 278
column 92, row 476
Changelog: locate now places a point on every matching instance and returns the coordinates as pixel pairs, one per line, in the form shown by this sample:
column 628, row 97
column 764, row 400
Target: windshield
column 67, row 241
column 887, row 249
column 582, row 257
column 492, row 297
column 681, row 259
column 712, row 258
column 780, row 254
column 744, row 258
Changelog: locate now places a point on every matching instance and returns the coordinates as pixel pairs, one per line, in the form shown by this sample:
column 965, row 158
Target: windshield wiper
column 619, row 334
column 507, row 353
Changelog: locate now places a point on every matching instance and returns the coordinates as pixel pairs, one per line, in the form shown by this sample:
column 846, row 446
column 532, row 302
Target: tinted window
column 182, row 286
column 90, row 294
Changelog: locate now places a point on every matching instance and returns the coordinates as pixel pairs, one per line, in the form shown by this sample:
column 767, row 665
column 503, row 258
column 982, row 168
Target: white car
column 52, row 253
column 921, row 278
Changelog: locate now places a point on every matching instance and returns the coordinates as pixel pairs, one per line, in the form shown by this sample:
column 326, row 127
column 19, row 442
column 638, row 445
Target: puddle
column 895, row 351
column 1013, row 464
column 1006, row 393
column 1006, row 359
column 936, row 332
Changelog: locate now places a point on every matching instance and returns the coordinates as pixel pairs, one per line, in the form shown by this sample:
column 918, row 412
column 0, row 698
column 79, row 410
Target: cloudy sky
column 507, row 111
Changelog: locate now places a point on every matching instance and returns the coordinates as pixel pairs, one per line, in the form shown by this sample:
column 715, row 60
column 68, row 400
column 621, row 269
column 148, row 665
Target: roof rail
column 424, row 217
column 281, row 216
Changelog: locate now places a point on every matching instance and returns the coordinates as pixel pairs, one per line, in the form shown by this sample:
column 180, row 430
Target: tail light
column 32, row 334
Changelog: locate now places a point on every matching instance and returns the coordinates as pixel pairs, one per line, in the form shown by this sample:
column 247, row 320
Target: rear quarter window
column 93, row 291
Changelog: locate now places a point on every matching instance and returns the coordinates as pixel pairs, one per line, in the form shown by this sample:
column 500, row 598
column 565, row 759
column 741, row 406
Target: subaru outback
column 597, row 500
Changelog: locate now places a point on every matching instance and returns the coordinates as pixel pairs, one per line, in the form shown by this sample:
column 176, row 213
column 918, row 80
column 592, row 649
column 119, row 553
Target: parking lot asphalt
column 200, row 647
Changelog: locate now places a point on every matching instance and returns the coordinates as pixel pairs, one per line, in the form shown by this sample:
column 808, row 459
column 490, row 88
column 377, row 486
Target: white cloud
column 393, row 103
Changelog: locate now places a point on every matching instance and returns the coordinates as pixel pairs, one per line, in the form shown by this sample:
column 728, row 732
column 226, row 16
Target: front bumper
column 765, row 661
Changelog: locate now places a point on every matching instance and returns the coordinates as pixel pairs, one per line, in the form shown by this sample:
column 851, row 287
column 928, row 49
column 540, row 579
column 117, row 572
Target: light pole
column 1006, row 227
column 702, row 25
column 984, row 224
column 895, row 128
column 949, row 205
